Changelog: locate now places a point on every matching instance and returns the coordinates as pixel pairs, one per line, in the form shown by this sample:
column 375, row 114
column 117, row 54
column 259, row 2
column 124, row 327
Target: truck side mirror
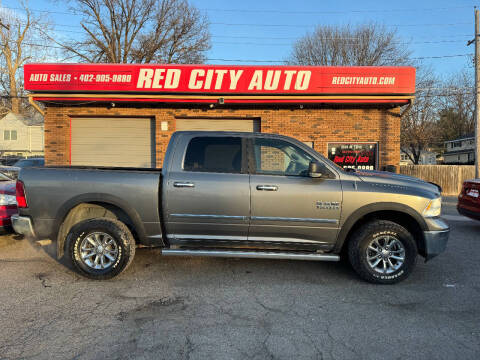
column 316, row 169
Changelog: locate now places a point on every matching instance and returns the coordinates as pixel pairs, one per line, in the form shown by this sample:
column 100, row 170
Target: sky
column 262, row 32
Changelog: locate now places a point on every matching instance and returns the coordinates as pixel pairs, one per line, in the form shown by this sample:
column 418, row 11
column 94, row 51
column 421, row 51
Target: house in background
column 21, row 136
column 460, row 151
column 426, row 158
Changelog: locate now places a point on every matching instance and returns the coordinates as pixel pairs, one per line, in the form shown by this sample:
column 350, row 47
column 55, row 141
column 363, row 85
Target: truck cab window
column 278, row 157
column 214, row 154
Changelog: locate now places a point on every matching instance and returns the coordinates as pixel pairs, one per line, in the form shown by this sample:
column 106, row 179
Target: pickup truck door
column 207, row 191
column 286, row 204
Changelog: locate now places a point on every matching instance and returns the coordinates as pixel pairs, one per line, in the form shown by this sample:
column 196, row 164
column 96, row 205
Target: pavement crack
column 43, row 278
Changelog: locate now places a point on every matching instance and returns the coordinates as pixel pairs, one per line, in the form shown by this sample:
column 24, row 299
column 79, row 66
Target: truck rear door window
column 214, row 154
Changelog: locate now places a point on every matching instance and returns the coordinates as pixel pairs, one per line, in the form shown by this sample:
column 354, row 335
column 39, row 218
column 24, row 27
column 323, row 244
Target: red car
column 469, row 199
column 8, row 203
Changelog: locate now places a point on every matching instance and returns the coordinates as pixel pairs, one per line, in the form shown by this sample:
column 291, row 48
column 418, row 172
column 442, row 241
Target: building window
column 10, row 135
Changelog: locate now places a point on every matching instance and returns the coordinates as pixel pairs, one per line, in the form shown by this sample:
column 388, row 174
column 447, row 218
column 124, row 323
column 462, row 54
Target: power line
column 273, row 61
column 302, row 25
column 267, row 25
column 285, row 38
column 282, row 61
column 270, row 11
column 289, row 12
column 343, row 38
column 353, row 43
column 296, row 38
column 307, row 26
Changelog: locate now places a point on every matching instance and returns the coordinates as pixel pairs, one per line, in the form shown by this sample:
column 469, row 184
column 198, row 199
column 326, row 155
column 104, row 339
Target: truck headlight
column 434, row 208
column 7, row 199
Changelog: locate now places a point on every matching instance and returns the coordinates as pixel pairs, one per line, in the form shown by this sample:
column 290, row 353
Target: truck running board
column 251, row 254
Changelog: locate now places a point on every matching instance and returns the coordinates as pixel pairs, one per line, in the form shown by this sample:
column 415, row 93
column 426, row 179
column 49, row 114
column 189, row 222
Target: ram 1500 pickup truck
column 234, row 194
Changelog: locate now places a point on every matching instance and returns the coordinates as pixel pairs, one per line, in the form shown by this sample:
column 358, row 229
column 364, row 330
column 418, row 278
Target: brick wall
column 320, row 126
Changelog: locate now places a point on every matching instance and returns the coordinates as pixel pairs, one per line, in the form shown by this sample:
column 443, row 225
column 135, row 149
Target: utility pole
column 477, row 96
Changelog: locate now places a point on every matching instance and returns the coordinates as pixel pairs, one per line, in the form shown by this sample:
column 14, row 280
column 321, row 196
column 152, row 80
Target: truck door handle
column 267, row 187
column 180, row 184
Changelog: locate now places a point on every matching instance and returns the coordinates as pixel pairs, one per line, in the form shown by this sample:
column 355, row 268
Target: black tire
column 123, row 247
column 380, row 230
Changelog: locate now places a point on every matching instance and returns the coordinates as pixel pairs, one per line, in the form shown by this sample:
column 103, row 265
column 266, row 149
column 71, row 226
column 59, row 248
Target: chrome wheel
column 98, row 250
column 385, row 254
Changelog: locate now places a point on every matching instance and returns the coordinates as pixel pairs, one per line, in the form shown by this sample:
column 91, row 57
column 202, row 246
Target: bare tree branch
column 16, row 37
column 457, row 107
column 419, row 128
column 140, row 31
column 365, row 45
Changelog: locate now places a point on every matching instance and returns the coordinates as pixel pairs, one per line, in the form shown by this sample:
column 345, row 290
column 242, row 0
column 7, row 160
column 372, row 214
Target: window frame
column 243, row 149
column 11, row 135
column 5, row 132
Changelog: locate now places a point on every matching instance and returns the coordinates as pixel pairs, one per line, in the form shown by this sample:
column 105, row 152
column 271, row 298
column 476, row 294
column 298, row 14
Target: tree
column 140, row 31
column 365, row 45
column 419, row 128
column 20, row 43
column 457, row 107
column 13, row 32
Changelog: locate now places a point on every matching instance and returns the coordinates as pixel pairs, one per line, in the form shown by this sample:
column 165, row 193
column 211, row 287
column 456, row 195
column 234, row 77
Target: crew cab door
column 207, row 191
column 286, row 204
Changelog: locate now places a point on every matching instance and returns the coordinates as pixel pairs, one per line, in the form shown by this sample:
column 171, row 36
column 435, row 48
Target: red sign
column 218, row 79
column 354, row 155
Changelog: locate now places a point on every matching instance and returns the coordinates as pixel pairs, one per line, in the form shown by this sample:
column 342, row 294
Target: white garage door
column 248, row 125
column 113, row 142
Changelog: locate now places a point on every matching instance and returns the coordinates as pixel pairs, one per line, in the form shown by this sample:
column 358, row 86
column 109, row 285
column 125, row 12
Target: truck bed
column 53, row 190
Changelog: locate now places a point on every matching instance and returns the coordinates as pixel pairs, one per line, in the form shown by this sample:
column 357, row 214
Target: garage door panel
column 125, row 142
column 106, row 149
column 244, row 125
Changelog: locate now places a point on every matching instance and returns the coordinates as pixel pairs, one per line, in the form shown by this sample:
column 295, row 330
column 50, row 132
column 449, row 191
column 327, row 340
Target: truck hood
column 384, row 177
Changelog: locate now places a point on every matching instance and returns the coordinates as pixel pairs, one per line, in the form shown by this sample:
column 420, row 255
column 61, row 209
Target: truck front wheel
column 100, row 248
column 382, row 252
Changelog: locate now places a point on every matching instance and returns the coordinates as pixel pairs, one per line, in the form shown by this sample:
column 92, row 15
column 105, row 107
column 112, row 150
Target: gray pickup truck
column 232, row 194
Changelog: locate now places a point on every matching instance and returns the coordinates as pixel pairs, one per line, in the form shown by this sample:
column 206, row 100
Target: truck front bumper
column 436, row 240
column 22, row 225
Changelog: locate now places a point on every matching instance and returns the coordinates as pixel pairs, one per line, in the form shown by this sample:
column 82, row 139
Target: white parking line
column 456, row 218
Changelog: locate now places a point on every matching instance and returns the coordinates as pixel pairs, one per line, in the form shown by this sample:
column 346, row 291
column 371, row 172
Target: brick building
column 90, row 119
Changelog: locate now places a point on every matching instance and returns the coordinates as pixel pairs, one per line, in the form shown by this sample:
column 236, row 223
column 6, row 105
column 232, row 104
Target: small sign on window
column 362, row 156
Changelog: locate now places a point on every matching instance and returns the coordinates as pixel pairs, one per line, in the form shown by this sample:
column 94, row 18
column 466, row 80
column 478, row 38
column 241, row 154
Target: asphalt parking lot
column 213, row 308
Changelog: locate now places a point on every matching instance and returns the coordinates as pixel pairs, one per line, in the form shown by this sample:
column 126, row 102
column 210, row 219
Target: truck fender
column 373, row 208
column 96, row 198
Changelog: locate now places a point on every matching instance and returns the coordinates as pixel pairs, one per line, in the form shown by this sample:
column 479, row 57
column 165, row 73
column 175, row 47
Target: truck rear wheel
column 382, row 252
column 100, row 248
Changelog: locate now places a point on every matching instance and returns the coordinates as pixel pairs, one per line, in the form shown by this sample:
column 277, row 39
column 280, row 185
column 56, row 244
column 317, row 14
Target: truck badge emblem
column 328, row 205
